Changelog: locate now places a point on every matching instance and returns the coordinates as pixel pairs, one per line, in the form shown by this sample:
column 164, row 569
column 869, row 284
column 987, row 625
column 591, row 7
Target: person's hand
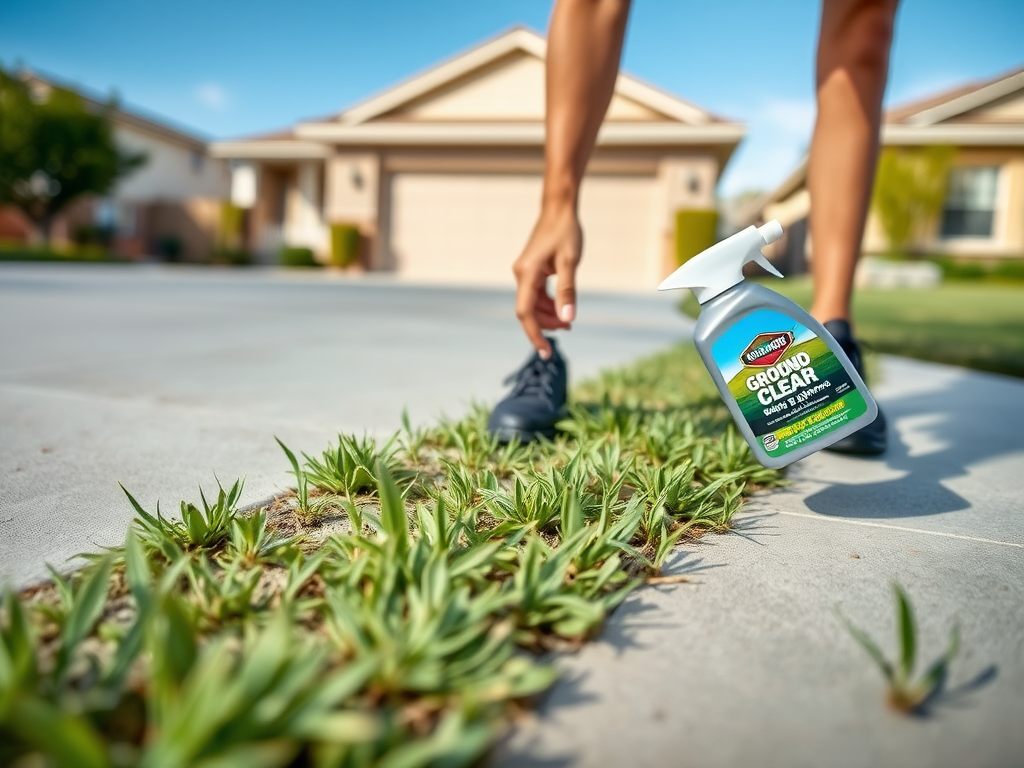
column 553, row 249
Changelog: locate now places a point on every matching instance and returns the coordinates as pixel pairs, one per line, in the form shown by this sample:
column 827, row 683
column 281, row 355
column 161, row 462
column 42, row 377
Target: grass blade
column 869, row 645
column 907, row 632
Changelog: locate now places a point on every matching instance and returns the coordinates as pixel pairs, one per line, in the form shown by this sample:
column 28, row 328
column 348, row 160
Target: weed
column 906, row 694
column 382, row 616
column 348, row 468
column 198, row 528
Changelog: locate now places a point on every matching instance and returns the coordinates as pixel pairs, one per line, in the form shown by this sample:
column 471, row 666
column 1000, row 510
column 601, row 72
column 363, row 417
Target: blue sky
column 228, row 68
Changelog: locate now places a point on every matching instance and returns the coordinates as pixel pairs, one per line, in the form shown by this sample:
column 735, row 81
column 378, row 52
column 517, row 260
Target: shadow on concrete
column 956, row 698
column 939, row 433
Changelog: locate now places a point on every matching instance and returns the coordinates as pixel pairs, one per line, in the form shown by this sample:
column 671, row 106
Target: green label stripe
column 828, row 418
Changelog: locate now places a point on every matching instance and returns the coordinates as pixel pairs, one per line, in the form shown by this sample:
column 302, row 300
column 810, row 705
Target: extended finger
column 565, row 289
column 526, row 312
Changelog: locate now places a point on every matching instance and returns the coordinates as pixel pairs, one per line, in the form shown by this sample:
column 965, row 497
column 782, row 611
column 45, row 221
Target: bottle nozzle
column 770, row 232
column 720, row 267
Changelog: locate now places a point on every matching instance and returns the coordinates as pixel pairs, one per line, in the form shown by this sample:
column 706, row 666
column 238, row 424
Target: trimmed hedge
column 232, row 220
column 695, row 232
column 345, row 241
column 1005, row 270
column 237, row 257
column 292, row 256
column 85, row 253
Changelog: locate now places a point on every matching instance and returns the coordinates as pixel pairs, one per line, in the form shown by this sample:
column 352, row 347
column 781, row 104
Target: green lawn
column 974, row 324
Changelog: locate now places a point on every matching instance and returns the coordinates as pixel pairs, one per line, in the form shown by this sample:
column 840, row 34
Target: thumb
column 565, row 290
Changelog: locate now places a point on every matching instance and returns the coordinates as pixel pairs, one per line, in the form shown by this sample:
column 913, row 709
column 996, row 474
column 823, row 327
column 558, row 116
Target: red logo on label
column 767, row 348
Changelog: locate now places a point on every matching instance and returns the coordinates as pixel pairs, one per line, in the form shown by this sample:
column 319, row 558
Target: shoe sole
column 852, row 446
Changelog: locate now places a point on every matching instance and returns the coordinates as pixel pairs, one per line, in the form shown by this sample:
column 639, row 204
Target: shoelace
column 533, row 378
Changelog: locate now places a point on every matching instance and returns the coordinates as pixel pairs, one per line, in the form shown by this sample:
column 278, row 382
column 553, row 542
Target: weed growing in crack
column 348, row 468
column 905, row 692
column 390, row 612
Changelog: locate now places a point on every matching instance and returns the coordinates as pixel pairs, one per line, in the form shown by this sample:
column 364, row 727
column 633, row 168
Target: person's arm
column 584, row 47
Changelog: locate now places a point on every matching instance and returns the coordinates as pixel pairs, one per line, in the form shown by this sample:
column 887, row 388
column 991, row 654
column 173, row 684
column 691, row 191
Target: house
column 983, row 213
column 442, row 173
column 169, row 207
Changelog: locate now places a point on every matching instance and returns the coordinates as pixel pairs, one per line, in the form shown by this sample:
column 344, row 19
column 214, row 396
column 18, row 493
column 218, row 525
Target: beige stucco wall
column 168, row 173
column 352, row 188
column 1008, row 224
column 430, row 214
column 509, row 89
column 1014, row 222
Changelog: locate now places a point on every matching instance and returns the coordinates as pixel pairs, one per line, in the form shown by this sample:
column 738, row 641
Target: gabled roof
column 956, row 101
column 132, row 118
column 967, row 115
column 941, row 119
column 640, row 115
column 515, row 40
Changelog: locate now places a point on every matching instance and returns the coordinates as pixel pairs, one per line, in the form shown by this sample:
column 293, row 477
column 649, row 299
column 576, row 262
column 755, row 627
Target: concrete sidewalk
column 747, row 665
column 155, row 377
column 159, row 377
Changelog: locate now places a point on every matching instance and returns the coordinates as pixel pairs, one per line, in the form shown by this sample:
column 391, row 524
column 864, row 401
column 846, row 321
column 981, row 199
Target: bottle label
column 789, row 385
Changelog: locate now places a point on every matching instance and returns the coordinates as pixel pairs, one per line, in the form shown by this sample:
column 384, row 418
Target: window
column 970, row 202
column 127, row 219
column 105, row 213
column 197, row 160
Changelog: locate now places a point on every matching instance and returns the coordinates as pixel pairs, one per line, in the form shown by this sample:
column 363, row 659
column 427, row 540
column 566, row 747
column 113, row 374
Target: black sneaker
column 536, row 402
column 871, row 439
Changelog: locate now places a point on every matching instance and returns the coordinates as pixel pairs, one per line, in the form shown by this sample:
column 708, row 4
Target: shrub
column 695, row 231
column 1006, row 270
column 1010, row 269
column 92, row 234
column 292, row 256
column 232, row 219
column 909, row 190
column 42, row 254
column 345, row 241
column 238, row 257
column 169, row 248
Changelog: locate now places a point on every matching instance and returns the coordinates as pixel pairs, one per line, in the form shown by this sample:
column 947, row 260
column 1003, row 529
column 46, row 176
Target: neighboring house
column 983, row 215
column 442, row 173
column 169, row 207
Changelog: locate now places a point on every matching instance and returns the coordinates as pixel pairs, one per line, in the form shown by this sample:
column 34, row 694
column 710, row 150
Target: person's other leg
column 852, row 68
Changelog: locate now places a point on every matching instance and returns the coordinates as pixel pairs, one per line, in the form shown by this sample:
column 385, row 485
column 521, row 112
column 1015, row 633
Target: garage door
column 469, row 227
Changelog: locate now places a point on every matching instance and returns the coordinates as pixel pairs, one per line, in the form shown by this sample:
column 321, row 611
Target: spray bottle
column 788, row 384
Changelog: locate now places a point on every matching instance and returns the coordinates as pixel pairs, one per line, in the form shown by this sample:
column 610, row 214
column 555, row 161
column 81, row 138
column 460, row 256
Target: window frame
column 965, row 209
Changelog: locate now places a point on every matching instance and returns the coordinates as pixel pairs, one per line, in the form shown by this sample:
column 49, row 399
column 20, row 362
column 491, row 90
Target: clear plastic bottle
column 788, row 384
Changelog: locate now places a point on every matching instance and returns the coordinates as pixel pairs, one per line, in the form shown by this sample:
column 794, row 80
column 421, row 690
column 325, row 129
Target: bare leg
column 852, row 68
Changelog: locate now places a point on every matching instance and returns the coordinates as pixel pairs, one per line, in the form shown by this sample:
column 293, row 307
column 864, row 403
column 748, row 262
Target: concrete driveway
column 158, row 378
column 161, row 377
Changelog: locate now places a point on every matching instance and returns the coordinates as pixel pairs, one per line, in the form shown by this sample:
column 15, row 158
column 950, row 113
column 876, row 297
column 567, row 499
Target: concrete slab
column 159, row 377
column 749, row 666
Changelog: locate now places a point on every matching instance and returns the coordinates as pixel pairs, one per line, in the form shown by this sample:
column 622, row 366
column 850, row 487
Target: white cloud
column 212, row 96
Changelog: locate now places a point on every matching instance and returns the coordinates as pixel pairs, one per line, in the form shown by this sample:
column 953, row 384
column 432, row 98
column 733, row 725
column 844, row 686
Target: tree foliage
column 54, row 150
column 910, row 188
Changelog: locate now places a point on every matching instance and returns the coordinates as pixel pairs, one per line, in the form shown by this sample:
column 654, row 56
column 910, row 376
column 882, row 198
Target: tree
column 53, row 151
column 910, row 188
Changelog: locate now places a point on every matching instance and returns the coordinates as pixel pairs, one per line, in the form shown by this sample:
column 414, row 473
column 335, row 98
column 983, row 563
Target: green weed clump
column 388, row 612
column 905, row 692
